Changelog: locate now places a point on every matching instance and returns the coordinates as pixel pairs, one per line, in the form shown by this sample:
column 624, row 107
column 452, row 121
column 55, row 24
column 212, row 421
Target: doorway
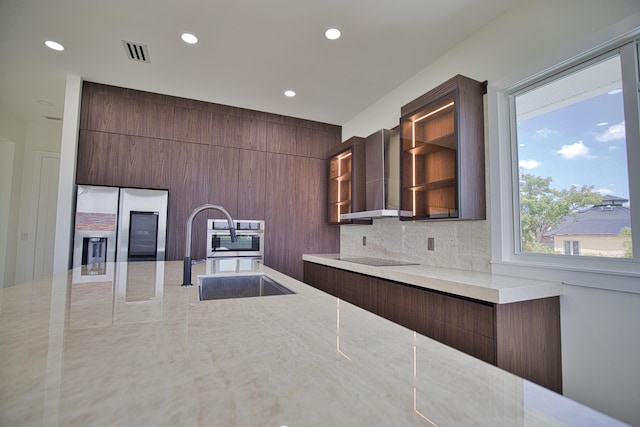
column 7, row 149
column 44, row 200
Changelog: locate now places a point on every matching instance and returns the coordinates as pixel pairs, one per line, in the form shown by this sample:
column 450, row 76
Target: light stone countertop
column 131, row 347
column 494, row 288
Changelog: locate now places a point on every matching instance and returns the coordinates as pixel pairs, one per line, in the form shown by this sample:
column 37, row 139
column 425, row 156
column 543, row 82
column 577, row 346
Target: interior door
column 47, row 196
column 6, row 177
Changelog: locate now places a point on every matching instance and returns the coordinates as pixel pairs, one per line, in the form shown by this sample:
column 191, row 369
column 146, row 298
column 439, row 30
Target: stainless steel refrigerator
column 118, row 224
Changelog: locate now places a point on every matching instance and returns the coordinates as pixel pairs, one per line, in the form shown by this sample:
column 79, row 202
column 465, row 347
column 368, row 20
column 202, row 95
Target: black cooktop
column 377, row 262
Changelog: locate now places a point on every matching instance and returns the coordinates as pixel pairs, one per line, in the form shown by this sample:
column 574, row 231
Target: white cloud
column 529, row 164
column 612, row 133
column 575, row 151
column 546, row 133
column 604, row 191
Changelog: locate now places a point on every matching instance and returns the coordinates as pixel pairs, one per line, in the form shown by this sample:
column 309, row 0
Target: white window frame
column 598, row 272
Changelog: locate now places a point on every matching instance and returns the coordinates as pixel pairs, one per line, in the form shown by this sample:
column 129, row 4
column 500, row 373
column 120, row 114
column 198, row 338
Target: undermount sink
column 239, row 286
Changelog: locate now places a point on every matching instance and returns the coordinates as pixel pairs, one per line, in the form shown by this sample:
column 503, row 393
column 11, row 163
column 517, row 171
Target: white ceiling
column 250, row 51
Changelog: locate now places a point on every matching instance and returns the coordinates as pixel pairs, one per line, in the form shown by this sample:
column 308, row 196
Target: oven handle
column 238, row 233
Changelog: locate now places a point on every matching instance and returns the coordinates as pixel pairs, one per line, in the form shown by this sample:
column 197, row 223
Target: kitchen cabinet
column 293, row 223
column 257, row 165
column 521, row 337
column 442, row 152
column 346, row 180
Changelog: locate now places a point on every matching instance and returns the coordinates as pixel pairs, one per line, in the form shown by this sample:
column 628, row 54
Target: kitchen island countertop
column 131, row 347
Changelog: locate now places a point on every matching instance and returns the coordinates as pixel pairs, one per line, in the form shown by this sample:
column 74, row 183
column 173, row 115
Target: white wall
column 40, row 138
column 525, row 35
column 599, row 326
column 601, row 350
column 30, row 141
column 13, row 132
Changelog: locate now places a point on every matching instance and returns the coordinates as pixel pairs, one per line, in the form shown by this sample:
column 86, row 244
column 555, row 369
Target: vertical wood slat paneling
column 309, row 143
column 84, row 112
column 311, row 202
column 221, row 178
column 242, row 132
column 529, row 332
column 252, row 186
column 107, row 113
column 160, row 162
column 303, row 142
column 121, row 160
column 209, row 153
column 195, row 126
column 281, row 214
column 281, row 138
column 189, row 165
column 295, row 211
column 129, row 116
column 133, row 169
column 95, row 158
column 153, row 120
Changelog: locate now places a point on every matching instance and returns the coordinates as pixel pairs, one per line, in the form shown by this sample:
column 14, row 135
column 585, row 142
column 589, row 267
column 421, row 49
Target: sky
column 580, row 144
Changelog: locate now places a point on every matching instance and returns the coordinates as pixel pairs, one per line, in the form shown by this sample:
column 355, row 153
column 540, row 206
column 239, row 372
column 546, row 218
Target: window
column 572, row 244
column 574, row 135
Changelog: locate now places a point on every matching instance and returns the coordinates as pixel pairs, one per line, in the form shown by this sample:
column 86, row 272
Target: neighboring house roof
column 613, row 200
column 601, row 219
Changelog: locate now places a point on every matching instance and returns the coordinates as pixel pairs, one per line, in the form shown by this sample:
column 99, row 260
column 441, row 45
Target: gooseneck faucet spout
column 186, row 277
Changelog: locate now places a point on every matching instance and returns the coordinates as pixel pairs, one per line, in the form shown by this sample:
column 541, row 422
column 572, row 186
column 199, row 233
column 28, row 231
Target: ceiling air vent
column 136, row 51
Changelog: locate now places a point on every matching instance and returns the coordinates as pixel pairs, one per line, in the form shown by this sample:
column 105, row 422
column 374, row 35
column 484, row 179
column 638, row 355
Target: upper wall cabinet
column 442, row 159
column 346, row 180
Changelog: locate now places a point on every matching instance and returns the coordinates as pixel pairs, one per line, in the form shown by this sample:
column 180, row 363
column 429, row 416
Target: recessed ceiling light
column 290, row 93
column 54, row 45
column 615, row 91
column 332, row 33
column 189, row 38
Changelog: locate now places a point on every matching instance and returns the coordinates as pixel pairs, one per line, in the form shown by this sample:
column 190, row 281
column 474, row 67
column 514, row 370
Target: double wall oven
column 223, row 255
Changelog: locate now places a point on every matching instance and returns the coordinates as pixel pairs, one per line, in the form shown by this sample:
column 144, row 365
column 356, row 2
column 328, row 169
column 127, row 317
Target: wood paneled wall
column 257, row 165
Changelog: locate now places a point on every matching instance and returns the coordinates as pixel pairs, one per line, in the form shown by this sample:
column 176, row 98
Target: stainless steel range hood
column 382, row 187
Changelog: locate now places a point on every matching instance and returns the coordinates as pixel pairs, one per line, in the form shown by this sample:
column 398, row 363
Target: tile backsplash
column 464, row 245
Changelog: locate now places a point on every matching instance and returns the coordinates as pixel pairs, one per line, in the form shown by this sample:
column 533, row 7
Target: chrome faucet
column 186, row 277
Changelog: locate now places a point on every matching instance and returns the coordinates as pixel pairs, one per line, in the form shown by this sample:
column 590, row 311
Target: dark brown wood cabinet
column 346, row 180
column 442, row 158
column 257, row 165
column 522, row 337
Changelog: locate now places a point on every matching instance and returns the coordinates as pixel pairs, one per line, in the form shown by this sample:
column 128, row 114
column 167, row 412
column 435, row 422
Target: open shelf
column 428, row 147
column 431, row 186
column 346, row 180
column 342, row 178
column 442, row 162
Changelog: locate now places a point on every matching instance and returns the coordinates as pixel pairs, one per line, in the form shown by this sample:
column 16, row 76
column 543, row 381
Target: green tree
column 625, row 233
column 543, row 208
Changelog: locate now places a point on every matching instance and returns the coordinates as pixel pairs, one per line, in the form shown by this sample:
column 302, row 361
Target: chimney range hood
column 382, row 182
